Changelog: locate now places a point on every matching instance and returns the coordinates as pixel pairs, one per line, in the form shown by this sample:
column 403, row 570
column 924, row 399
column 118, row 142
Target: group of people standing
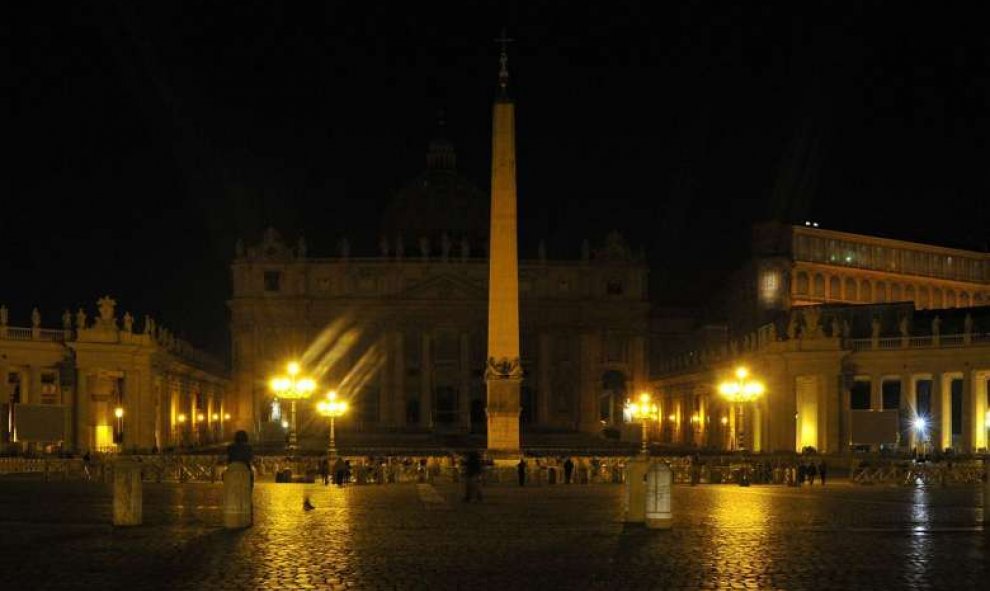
column 340, row 471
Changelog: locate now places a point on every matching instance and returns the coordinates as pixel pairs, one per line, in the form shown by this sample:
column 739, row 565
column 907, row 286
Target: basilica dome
column 437, row 203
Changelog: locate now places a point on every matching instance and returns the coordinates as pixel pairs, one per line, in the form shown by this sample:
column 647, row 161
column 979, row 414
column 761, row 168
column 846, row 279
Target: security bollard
column 635, row 501
column 127, row 494
column 659, row 480
column 237, row 505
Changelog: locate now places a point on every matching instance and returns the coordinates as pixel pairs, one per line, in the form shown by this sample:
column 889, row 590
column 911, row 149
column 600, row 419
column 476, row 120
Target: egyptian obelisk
column 504, row 373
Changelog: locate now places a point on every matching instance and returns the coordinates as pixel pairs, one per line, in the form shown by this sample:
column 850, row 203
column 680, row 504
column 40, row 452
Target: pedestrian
column 811, row 473
column 822, row 469
column 347, row 470
column 521, row 471
column 338, row 472
column 325, row 471
column 240, row 451
column 568, row 470
column 472, row 477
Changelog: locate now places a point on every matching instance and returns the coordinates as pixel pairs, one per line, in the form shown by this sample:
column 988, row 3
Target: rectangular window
column 891, row 390
column 273, row 281
column 859, row 395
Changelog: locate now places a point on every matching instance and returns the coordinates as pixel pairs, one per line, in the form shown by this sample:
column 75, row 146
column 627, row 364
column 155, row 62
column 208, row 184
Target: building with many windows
column 859, row 342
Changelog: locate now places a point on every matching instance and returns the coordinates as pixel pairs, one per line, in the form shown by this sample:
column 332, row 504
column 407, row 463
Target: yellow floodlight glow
column 742, row 389
column 181, row 418
column 293, row 368
column 118, row 412
column 215, row 417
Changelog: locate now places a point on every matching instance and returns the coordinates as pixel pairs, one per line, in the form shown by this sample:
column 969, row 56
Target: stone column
column 941, row 412
column 464, row 396
column 909, row 409
column 398, row 368
column 83, row 413
column 426, row 384
column 845, row 415
column 979, row 385
column 67, row 393
column 876, row 392
column 969, row 421
column 831, row 409
column 588, row 421
column 544, row 386
column 34, row 388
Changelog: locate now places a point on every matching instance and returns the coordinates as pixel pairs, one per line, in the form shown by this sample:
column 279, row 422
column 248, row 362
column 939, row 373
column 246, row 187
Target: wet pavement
column 418, row 536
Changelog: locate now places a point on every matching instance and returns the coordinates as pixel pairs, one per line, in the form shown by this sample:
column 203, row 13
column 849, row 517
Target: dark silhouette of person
column 325, row 471
column 339, row 469
column 568, row 470
column 472, row 477
column 822, row 470
column 521, row 471
column 307, row 506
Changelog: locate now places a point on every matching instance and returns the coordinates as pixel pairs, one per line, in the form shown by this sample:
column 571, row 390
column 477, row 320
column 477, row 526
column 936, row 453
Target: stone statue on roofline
column 128, row 322
column 106, row 306
column 836, row 328
column 80, row 319
column 902, row 326
column 35, row 318
column 66, row 320
column 875, row 328
column 968, row 324
column 936, row 326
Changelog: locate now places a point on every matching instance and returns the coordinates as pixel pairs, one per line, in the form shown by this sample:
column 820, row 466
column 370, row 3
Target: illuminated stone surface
column 570, row 537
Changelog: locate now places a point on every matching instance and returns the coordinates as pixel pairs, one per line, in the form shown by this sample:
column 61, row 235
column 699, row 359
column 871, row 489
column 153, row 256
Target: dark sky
column 143, row 140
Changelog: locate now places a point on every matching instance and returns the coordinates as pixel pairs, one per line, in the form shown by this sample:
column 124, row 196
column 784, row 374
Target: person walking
column 325, row 471
column 822, row 469
column 811, row 473
column 521, row 471
column 240, row 451
column 568, row 470
column 338, row 472
column 472, row 477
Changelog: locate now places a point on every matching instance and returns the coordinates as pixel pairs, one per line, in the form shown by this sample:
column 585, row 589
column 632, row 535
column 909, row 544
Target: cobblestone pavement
column 56, row 536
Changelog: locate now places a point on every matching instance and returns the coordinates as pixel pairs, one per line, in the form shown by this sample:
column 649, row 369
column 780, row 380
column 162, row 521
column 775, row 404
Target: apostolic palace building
column 858, row 341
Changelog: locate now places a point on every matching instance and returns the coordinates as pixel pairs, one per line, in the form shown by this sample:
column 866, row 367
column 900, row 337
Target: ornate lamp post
column 118, row 436
column 292, row 387
column 738, row 392
column 643, row 409
column 331, row 408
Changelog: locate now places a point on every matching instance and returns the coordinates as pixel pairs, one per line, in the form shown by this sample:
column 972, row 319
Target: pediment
column 443, row 287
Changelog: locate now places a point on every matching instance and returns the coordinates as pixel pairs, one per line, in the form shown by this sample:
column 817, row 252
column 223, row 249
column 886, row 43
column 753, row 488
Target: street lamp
column 331, row 408
column 180, row 434
column 643, row 409
column 292, row 387
column 118, row 437
column 738, row 392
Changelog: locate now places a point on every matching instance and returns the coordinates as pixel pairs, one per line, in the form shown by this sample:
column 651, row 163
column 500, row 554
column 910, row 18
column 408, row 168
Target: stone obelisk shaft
column 504, row 373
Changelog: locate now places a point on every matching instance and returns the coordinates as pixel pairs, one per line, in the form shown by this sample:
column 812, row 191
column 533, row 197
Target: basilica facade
column 402, row 335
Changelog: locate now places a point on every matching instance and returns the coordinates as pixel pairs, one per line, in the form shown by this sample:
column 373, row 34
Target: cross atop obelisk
column 503, row 63
column 504, row 373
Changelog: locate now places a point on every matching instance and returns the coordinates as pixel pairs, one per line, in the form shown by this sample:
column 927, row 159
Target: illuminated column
column 503, row 374
column 909, row 408
column 83, row 415
column 979, row 385
column 969, row 420
column 941, row 411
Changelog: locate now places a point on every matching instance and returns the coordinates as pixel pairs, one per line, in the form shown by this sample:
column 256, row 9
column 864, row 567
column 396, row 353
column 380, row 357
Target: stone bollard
column 659, row 480
column 237, row 505
column 635, row 501
column 127, row 494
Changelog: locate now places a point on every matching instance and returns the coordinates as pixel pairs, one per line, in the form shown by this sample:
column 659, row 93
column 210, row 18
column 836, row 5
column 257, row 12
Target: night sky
column 143, row 140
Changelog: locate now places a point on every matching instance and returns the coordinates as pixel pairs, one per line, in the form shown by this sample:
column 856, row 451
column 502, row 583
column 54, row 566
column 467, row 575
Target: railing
column 12, row 333
column 920, row 342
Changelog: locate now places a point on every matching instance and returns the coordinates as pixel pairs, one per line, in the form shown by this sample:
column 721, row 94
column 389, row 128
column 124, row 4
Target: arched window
column 819, row 286
column 881, row 291
column 835, row 288
column 851, row 292
column 865, row 291
column 801, row 285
